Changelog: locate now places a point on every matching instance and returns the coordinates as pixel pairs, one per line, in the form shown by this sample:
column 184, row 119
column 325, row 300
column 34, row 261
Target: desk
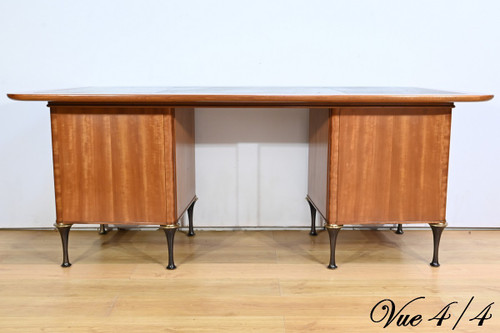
column 126, row 155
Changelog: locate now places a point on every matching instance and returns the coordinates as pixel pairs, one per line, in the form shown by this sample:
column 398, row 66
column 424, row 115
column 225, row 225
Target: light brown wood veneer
column 372, row 165
column 393, row 165
column 119, row 164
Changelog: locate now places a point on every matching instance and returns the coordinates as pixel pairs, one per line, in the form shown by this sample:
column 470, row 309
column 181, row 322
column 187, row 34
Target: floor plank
column 243, row 281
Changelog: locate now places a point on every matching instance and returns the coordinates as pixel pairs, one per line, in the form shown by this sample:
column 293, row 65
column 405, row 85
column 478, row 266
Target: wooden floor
column 242, row 281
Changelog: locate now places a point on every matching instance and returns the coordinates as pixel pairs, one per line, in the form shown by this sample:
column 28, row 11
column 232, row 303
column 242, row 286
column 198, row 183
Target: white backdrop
column 251, row 164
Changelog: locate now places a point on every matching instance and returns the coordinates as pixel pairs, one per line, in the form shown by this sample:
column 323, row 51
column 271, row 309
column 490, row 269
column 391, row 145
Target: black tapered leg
column 64, row 232
column 190, row 217
column 333, row 231
column 103, row 229
column 399, row 231
column 170, row 233
column 437, row 230
column 313, row 218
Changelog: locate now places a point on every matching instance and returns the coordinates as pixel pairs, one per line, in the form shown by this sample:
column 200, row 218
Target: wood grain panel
column 169, row 155
column 184, row 158
column 333, row 167
column 56, row 166
column 318, row 158
column 445, row 157
column 111, row 164
column 393, row 164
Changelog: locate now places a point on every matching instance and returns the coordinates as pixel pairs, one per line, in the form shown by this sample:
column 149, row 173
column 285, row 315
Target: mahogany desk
column 126, row 155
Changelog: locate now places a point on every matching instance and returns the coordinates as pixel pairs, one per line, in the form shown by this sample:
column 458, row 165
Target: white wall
column 251, row 164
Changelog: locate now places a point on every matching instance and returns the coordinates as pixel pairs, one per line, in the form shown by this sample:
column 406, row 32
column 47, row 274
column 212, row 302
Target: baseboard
column 206, row 228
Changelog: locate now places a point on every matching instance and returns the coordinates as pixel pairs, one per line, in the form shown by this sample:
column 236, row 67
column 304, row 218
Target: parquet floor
column 245, row 281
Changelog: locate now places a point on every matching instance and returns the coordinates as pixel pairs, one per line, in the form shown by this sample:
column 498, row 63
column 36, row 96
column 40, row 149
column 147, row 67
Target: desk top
column 250, row 95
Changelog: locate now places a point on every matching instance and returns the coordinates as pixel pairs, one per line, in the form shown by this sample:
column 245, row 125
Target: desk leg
column 399, row 231
column 170, row 233
column 103, row 229
column 64, row 232
column 437, row 230
column 313, row 218
column 190, row 217
column 333, row 231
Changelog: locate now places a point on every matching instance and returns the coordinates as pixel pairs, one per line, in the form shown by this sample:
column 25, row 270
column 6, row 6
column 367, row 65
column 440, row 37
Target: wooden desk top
column 273, row 96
